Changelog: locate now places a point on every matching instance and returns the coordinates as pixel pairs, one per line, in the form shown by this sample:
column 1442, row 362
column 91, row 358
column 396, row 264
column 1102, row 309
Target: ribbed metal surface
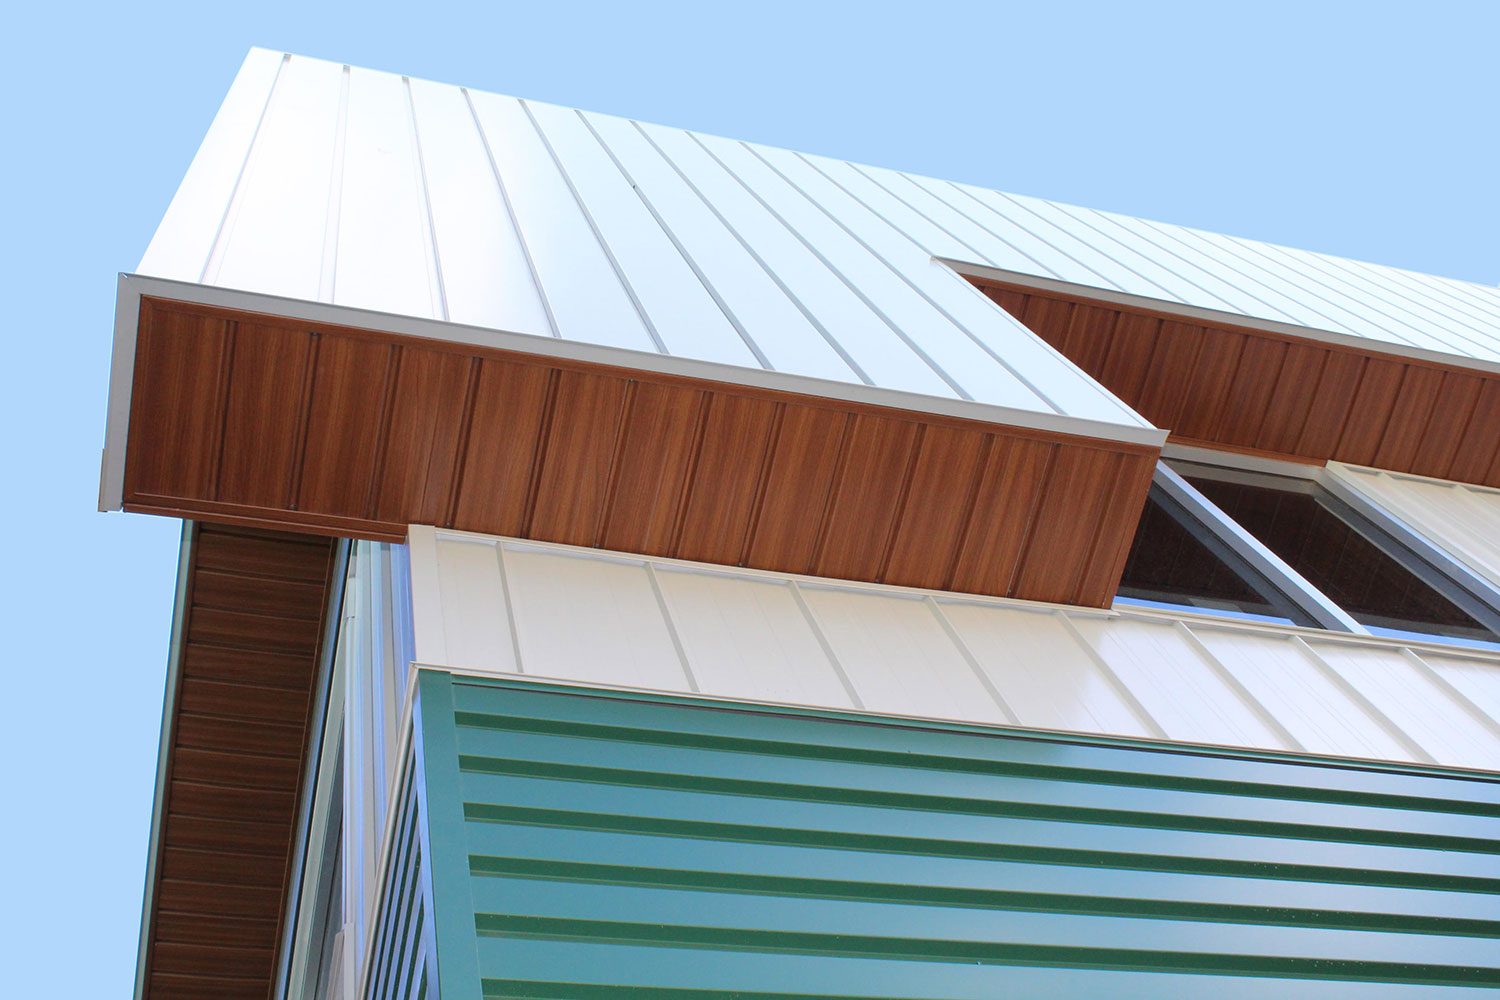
column 625, row 847
column 507, row 607
column 328, row 183
column 402, row 962
column 332, row 184
column 1463, row 520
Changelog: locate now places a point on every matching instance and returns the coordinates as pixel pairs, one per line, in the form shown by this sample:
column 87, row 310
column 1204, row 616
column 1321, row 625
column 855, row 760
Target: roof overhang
column 787, row 472
column 1286, row 393
column 134, row 287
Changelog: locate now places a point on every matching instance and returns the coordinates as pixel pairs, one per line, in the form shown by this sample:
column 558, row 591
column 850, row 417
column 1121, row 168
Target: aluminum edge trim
column 121, row 376
column 1142, row 434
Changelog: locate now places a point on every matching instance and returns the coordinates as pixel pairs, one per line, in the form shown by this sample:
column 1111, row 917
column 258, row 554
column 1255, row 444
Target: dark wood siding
column 251, row 637
column 262, row 421
column 1257, row 391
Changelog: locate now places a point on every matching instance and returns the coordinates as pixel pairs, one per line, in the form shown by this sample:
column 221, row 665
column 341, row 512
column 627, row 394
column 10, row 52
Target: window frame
column 1439, row 570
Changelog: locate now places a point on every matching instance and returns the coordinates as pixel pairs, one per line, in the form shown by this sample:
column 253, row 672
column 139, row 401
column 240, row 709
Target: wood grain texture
column 263, row 411
column 253, row 625
column 1275, row 394
column 370, row 432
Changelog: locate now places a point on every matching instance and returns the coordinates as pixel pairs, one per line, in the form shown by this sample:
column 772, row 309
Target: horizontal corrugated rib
column 623, row 847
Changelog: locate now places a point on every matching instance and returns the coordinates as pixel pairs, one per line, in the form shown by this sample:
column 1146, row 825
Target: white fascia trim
column 121, row 375
column 134, row 286
column 1363, row 344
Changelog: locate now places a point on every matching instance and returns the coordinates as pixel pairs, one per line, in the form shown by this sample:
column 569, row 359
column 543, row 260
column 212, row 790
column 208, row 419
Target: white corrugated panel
column 1462, row 520
column 597, row 618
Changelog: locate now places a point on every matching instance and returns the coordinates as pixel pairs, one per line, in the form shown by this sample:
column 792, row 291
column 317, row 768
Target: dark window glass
column 1176, row 560
column 1363, row 578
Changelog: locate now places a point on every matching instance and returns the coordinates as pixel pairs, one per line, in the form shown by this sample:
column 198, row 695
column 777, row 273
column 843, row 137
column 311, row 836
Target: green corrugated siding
column 613, row 846
column 401, row 963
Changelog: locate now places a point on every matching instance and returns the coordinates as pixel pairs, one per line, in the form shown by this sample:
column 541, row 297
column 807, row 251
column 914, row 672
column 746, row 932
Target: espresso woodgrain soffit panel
column 251, row 635
column 1260, row 391
column 257, row 420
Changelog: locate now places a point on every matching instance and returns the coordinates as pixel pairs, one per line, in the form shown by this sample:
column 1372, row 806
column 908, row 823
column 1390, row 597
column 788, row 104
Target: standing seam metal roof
column 333, row 184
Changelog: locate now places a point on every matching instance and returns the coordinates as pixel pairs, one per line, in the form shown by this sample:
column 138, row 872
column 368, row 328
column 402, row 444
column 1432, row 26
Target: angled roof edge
column 832, row 247
column 1214, row 316
column 325, row 183
column 133, row 287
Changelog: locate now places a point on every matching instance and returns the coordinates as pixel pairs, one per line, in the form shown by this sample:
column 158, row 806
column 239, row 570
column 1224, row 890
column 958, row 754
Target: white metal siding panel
column 595, row 620
column 1400, row 688
column 420, row 199
column 598, row 618
column 1477, row 683
column 1012, row 248
column 1147, row 276
column 748, row 638
column 897, row 656
column 941, row 344
column 1189, row 694
column 998, row 333
column 998, row 209
column 1042, row 671
column 781, row 333
column 1313, row 707
column 474, row 621
column 859, row 333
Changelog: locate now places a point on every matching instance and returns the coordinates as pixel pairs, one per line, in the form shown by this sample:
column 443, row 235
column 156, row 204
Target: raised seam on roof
column 812, row 320
column 687, row 258
column 588, row 216
column 958, row 324
column 515, row 223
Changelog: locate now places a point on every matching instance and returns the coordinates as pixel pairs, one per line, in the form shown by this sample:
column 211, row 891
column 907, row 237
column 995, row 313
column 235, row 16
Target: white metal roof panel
column 334, row 185
column 328, row 184
column 604, row 618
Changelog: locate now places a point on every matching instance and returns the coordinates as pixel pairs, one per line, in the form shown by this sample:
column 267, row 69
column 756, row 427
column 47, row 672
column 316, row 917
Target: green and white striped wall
column 600, row 845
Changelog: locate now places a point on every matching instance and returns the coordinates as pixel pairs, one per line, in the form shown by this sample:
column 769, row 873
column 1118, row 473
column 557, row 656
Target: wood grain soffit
column 1271, row 393
column 250, row 639
column 257, row 420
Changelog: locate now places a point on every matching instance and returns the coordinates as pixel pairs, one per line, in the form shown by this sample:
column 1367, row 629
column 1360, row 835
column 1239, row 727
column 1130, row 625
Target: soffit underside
column 238, row 734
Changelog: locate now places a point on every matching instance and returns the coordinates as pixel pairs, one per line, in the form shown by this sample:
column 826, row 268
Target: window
column 1177, row 560
column 1320, row 561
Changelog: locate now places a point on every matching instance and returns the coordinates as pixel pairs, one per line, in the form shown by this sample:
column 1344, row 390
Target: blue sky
column 1365, row 129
